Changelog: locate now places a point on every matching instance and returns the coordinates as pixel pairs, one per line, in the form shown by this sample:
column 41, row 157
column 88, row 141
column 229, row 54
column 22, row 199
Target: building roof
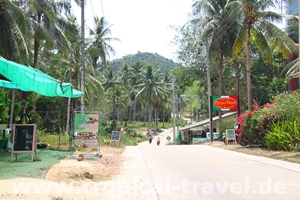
column 204, row 122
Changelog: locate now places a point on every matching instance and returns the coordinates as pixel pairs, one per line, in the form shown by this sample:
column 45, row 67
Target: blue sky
column 141, row 25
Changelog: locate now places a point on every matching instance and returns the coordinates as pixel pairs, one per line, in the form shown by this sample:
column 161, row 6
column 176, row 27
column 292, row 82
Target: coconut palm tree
column 220, row 30
column 152, row 90
column 217, row 25
column 15, row 32
column 122, row 100
column 52, row 26
column 135, row 75
column 292, row 30
column 100, row 47
column 256, row 27
column 110, row 80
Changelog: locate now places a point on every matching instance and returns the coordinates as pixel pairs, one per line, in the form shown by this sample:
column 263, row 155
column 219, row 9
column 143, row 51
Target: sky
column 141, row 25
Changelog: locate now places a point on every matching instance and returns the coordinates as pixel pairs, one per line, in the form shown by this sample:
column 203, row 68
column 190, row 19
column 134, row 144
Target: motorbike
column 150, row 139
column 244, row 142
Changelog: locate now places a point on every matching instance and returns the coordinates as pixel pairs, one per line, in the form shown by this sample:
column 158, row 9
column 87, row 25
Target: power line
column 92, row 8
column 102, row 8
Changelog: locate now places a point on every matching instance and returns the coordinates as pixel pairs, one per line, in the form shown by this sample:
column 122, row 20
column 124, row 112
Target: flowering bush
column 255, row 125
column 250, row 126
column 240, row 124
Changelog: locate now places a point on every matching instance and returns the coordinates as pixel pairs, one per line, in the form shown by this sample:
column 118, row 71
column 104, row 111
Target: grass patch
column 75, row 176
column 101, row 177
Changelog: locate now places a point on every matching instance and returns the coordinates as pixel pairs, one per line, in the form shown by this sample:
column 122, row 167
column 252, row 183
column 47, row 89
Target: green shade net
column 10, row 85
column 30, row 79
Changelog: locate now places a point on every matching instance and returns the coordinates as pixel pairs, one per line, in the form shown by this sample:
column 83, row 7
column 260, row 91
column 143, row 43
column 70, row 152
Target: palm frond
column 239, row 44
column 262, row 43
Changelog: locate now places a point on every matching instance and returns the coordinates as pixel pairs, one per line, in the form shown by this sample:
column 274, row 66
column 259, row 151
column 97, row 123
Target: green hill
column 156, row 60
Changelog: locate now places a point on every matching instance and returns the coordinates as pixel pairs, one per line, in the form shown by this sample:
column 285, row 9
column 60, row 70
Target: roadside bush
column 4, row 106
column 255, row 125
column 284, row 135
column 107, row 127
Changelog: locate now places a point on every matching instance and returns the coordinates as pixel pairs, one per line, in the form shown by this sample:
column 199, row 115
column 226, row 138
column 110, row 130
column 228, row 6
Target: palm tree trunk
column 145, row 116
column 221, row 79
column 69, row 100
column 129, row 114
column 36, row 45
column 69, row 111
column 149, row 120
column 237, row 74
column 248, row 67
column 114, row 109
column 82, row 55
column 163, row 125
column 157, row 120
column 134, row 111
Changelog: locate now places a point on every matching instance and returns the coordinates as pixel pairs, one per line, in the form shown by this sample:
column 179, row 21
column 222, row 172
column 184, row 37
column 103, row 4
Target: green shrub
column 284, row 135
column 4, row 107
column 256, row 124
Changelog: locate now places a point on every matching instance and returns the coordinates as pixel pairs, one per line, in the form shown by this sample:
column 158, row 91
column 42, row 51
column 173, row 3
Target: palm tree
column 110, row 82
column 135, row 75
column 121, row 99
column 256, row 28
column 152, row 90
column 219, row 27
column 15, row 32
column 52, row 26
column 220, row 30
column 292, row 30
column 100, row 47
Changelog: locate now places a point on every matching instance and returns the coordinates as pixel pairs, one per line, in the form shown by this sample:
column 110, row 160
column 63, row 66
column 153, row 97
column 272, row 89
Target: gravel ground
column 134, row 181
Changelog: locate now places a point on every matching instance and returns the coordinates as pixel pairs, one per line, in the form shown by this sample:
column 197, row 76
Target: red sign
column 225, row 103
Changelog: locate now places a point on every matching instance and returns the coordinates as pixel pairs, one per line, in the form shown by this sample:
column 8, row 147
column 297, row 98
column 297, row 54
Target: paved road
column 187, row 172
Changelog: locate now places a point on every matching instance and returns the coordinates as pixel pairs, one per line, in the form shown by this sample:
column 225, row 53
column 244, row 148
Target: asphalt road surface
column 187, row 172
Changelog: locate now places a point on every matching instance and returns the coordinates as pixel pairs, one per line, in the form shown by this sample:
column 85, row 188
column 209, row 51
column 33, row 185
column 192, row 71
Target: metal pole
column 173, row 86
column 191, row 109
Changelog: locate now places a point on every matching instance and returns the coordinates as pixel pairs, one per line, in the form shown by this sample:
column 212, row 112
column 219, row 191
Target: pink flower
column 250, row 114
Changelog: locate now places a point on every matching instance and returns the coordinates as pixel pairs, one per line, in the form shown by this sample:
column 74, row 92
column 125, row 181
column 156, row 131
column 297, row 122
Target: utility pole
column 209, row 91
column 82, row 56
column 173, row 88
column 191, row 109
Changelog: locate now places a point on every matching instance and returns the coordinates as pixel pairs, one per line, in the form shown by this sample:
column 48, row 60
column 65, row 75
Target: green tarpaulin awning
column 27, row 79
column 10, row 85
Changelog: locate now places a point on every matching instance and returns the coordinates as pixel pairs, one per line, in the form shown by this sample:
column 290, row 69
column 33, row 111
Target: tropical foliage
column 242, row 40
column 146, row 59
column 276, row 120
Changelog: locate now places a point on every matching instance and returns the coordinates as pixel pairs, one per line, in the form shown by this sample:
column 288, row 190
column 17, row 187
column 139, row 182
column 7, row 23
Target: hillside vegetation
column 156, row 60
